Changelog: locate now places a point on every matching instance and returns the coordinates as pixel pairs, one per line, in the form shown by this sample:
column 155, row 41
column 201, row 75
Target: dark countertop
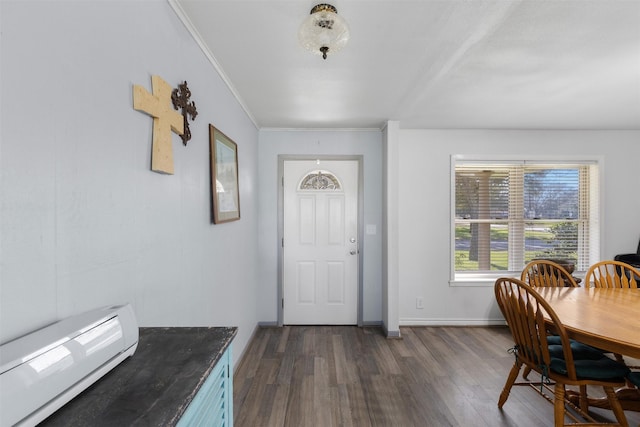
column 155, row 385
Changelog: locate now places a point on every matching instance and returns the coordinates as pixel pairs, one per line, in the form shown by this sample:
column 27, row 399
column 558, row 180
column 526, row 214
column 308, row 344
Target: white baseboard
column 451, row 322
column 395, row 334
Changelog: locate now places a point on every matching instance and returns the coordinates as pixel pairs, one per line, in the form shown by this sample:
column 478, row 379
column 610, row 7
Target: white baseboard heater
column 45, row 369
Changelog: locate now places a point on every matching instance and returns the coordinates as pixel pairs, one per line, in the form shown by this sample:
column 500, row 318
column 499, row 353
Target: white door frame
column 281, row 160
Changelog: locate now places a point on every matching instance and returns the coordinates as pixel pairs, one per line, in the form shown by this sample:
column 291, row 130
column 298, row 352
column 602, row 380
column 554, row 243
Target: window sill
column 480, row 280
column 480, row 283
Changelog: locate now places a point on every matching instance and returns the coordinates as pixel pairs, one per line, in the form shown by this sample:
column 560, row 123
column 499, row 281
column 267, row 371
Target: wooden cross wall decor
column 165, row 120
column 180, row 98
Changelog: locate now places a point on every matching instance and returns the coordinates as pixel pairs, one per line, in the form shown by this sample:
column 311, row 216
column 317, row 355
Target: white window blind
column 508, row 213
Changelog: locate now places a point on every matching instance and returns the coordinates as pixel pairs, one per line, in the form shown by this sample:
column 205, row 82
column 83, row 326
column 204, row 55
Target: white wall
column 390, row 235
column 84, row 222
column 424, row 208
column 274, row 143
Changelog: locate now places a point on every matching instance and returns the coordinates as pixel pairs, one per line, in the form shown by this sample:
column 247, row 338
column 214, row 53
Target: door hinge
column 282, row 181
column 283, row 242
column 282, row 302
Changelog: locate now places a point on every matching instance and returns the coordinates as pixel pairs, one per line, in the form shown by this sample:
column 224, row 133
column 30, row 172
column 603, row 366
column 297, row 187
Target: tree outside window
column 508, row 214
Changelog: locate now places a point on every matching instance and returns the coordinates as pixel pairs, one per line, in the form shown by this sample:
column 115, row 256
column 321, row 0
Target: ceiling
column 445, row 64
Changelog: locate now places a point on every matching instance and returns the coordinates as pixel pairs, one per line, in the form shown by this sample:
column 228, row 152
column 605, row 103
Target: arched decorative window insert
column 320, row 180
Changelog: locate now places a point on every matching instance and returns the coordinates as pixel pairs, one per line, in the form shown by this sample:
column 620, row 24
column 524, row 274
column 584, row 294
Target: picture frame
column 225, row 195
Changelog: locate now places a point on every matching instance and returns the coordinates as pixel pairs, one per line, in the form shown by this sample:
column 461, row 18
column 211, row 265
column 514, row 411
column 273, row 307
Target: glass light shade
column 324, row 31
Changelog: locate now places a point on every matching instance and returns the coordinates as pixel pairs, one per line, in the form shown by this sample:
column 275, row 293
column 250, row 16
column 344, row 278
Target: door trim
column 360, row 215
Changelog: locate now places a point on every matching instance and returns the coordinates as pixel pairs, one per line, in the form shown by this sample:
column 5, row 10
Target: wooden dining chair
column 529, row 318
column 631, row 395
column 612, row 274
column 545, row 273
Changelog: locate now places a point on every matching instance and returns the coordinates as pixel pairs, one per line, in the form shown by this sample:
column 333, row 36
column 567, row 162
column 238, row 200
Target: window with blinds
column 508, row 213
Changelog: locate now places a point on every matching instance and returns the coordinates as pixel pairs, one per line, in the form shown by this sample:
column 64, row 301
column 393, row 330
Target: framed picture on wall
column 224, row 177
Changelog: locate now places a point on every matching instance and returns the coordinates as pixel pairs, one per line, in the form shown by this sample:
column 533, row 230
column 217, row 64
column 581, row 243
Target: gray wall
column 273, row 143
column 84, row 222
column 424, row 209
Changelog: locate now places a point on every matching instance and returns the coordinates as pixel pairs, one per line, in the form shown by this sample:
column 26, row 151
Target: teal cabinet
column 212, row 406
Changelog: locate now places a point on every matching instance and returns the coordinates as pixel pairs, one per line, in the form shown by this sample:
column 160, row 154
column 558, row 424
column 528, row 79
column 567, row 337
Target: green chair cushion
column 602, row 369
column 634, row 377
column 579, row 350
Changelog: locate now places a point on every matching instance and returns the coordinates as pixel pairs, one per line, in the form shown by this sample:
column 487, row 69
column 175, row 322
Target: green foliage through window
column 509, row 214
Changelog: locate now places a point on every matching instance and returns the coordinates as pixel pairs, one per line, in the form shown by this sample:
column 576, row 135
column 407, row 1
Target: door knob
column 352, row 252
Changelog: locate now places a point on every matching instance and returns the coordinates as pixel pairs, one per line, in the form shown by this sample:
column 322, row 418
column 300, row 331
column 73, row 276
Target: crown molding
column 179, row 11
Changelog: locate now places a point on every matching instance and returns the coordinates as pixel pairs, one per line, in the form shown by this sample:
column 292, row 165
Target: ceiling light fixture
column 323, row 31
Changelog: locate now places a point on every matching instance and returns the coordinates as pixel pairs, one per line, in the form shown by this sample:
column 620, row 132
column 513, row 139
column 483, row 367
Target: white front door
column 320, row 253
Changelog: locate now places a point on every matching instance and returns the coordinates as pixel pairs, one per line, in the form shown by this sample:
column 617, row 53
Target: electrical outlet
column 419, row 302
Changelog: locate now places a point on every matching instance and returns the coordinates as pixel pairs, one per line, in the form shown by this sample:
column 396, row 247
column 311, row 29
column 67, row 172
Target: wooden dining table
column 606, row 318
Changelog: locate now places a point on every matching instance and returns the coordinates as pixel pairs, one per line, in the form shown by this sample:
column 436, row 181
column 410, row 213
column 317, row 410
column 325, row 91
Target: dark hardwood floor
column 348, row 376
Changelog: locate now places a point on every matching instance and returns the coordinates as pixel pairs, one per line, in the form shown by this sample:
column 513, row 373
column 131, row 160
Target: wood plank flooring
column 348, row 376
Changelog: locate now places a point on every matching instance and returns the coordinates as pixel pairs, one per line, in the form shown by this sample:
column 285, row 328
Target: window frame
column 487, row 279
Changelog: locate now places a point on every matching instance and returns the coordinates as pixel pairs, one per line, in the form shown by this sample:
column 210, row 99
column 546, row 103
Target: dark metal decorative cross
column 180, row 98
